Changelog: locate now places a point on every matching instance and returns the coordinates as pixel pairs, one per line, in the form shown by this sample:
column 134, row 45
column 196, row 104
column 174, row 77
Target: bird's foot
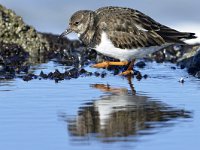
column 127, row 73
column 101, row 65
column 110, row 63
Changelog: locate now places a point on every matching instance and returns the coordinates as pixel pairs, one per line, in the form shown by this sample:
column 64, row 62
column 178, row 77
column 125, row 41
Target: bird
column 122, row 33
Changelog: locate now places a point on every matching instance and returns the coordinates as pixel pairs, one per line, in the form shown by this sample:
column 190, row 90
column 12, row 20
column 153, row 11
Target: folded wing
column 128, row 28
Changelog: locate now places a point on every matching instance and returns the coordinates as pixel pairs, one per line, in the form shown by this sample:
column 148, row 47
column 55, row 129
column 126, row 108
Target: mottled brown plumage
column 126, row 28
column 122, row 33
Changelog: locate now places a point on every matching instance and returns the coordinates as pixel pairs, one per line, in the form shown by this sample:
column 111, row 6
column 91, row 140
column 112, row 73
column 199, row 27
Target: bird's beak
column 67, row 31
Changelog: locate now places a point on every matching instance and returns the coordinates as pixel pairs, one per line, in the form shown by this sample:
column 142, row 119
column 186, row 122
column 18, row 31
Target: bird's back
column 129, row 28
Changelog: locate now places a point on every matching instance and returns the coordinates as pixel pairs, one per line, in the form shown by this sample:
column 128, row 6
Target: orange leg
column 129, row 71
column 106, row 64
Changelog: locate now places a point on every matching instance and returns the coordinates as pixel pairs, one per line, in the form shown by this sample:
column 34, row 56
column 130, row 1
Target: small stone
column 73, row 73
column 82, row 71
column 89, row 74
column 103, row 74
column 140, row 64
column 27, row 78
column 174, row 68
column 181, row 80
column 135, row 72
column 145, row 76
column 97, row 74
column 139, row 76
column 182, row 67
column 116, row 71
column 43, row 75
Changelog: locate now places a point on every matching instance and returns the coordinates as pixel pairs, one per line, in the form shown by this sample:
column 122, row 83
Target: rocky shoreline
column 21, row 46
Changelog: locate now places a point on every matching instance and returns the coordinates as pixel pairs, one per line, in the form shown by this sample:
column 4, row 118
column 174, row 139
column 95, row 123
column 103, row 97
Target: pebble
column 140, row 64
column 181, row 80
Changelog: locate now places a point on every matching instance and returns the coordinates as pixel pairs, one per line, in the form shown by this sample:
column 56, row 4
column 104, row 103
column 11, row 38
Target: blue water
column 72, row 114
column 101, row 113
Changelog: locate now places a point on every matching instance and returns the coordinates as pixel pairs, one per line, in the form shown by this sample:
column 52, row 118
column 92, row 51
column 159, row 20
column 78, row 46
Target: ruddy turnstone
column 122, row 33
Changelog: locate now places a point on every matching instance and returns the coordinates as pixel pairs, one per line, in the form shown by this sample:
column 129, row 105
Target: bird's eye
column 76, row 23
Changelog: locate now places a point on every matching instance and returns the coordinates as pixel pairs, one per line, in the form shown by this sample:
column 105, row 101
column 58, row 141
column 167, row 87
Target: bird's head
column 80, row 22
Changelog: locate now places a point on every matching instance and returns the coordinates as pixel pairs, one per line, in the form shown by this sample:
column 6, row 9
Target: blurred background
column 52, row 16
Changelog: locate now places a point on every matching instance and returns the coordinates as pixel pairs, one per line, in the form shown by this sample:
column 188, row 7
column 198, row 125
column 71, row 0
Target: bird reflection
column 121, row 114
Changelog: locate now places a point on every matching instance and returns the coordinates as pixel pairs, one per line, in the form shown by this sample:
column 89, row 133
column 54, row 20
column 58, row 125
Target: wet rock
column 174, row 68
column 191, row 61
column 83, row 71
column 116, row 72
column 57, row 74
column 172, row 53
column 103, row 74
column 138, row 76
column 15, row 31
column 29, row 77
column 192, row 70
column 145, row 76
column 97, row 74
column 159, row 56
column 140, row 64
column 72, row 73
column 12, row 60
column 43, row 75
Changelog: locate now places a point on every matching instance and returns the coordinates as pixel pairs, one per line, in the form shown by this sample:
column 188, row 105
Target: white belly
column 107, row 48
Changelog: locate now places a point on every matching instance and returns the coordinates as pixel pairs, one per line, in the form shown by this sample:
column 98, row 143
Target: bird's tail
column 174, row 36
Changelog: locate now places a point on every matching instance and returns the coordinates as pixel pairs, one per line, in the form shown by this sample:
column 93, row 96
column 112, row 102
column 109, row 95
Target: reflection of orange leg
column 129, row 78
column 110, row 63
column 107, row 88
column 129, row 71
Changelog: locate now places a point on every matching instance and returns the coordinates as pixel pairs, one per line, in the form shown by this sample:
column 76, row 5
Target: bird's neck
column 87, row 37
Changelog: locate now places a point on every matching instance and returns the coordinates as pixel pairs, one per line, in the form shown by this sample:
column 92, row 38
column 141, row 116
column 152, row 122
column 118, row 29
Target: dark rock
column 140, row 64
column 197, row 74
column 135, row 72
column 174, row 68
column 73, row 73
column 103, row 74
column 159, row 56
column 56, row 73
column 14, row 30
column 116, row 71
column 97, row 74
column 138, row 76
column 29, row 77
column 192, row 70
column 43, row 75
column 50, row 75
column 191, row 60
column 145, row 76
column 89, row 74
column 182, row 66
column 83, row 71
column 12, row 60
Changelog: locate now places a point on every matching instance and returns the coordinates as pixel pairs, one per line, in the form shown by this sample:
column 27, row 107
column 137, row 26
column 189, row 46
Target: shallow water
column 101, row 113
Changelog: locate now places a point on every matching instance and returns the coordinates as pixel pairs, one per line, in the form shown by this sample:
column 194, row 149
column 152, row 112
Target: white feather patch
column 107, row 48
